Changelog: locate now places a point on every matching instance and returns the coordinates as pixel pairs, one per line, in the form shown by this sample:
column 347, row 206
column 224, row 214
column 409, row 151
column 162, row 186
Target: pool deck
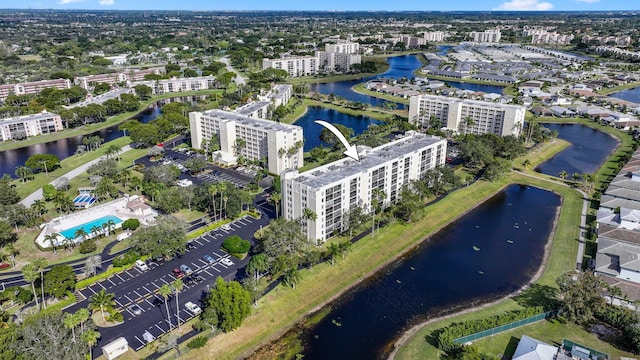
column 116, row 208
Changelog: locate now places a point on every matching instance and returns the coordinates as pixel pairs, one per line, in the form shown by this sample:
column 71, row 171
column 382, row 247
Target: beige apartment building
column 32, row 88
column 29, row 125
column 294, row 65
column 467, row 116
column 173, row 85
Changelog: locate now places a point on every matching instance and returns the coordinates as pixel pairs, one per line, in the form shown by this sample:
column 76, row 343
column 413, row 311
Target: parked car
column 193, row 308
column 208, row 258
column 186, row 269
column 226, row 227
column 190, row 246
column 135, row 309
column 226, row 261
column 177, row 273
column 141, row 265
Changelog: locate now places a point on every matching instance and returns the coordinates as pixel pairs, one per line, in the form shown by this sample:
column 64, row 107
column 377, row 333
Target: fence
column 501, row 328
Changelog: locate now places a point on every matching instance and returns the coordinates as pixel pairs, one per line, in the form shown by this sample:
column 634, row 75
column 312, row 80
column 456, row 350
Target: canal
column 490, row 252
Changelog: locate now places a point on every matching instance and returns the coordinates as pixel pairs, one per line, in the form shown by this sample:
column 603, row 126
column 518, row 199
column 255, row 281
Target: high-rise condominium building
column 278, row 145
column 466, row 116
column 487, row 36
column 333, row 190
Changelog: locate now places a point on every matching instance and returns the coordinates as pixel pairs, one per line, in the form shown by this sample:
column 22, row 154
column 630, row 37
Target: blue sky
column 402, row 5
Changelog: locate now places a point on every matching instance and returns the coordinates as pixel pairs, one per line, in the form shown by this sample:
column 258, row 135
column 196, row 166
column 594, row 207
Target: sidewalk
column 70, row 175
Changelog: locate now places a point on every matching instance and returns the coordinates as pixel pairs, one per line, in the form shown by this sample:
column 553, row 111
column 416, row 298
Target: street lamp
column 44, row 162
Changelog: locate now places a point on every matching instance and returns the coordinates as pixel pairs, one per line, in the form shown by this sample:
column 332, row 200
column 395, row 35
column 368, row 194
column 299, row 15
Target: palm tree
column 275, row 198
column 135, row 183
column 563, row 174
column 468, row 122
column 95, row 230
column 83, row 315
column 113, row 151
column 213, row 191
column 292, row 277
column 308, row 215
column 377, row 195
column 39, row 206
column 30, row 274
column 11, row 252
column 222, row 188
column 165, row 290
column 52, row 239
column 102, row 301
column 80, row 233
column 90, row 337
column 41, row 265
column 333, row 250
column 344, row 248
column 23, row 173
column 71, row 321
column 526, row 164
column 177, row 285
column 257, row 264
column 110, row 224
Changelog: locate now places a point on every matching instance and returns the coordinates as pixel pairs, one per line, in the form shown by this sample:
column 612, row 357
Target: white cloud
column 62, row 2
column 523, row 5
column 588, row 1
column 106, row 2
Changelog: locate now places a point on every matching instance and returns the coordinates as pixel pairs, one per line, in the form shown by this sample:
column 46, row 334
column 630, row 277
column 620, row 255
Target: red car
column 177, row 273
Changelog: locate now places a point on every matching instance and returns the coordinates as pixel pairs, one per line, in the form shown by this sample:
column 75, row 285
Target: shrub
column 125, row 259
column 115, row 316
column 87, row 246
column 236, row 245
column 4, row 266
column 197, row 342
column 130, row 224
column 23, row 295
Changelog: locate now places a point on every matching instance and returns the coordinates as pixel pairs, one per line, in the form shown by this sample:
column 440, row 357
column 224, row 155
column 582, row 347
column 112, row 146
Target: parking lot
column 138, row 287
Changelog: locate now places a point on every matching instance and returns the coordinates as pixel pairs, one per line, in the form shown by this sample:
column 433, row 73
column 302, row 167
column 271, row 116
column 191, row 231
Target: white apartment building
column 173, row 85
column 434, row 36
column 280, row 145
column 34, row 87
column 487, row 36
column 280, row 94
column 413, row 41
column 256, row 109
column 332, row 190
column 344, row 47
column 295, row 65
column 332, row 61
column 453, row 113
column 89, row 82
column 551, row 38
column 30, row 125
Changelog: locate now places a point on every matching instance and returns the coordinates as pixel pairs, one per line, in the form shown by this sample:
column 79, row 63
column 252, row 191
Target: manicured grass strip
column 611, row 90
column 361, row 89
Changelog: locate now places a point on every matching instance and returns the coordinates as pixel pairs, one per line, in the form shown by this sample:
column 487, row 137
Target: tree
column 30, row 274
column 59, row 281
column 102, row 301
column 275, row 199
column 292, row 277
column 165, row 291
column 49, row 192
column 581, row 295
column 563, row 174
column 41, row 266
column 143, row 91
column 308, row 215
column 46, row 337
column 526, row 164
column 195, row 165
column 39, row 162
column 328, row 137
column 163, row 239
column 257, row 265
column 7, row 235
column 90, row 338
column 231, row 302
column 8, row 193
column 333, row 250
column 24, row 173
column 113, row 151
column 177, row 286
column 284, row 237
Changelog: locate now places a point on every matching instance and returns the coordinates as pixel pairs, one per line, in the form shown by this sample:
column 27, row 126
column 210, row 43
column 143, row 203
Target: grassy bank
column 361, row 89
column 614, row 89
column 66, row 165
column 372, row 112
column 283, row 307
column 88, row 129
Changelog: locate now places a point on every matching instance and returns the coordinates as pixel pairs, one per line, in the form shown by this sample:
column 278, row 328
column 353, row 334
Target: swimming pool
column 70, row 233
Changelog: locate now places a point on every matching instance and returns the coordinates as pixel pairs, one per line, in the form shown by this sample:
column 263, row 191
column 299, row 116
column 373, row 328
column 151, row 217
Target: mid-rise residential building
column 551, row 38
column 344, row 47
column 280, row 94
column 624, row 40
column 278, row 145
column 434, row 36
column 29, row 125
column 331, row 191
column 256, row 109
column 487, row 36
column 89, row 82
column 173, row 85
column 467, row 116
column 413, row 41
column 294, row 65
column 332, row 61
column 33, row 87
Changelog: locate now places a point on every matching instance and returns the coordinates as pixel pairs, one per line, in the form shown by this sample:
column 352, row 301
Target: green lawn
column 551, row 332
column 361, row 89
column 611, row 90
column 465, row 80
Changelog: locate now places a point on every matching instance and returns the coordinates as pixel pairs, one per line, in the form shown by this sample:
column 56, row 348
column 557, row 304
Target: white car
column 226, row 227
column 193, row 308
column 141, row 265
column 226, row 261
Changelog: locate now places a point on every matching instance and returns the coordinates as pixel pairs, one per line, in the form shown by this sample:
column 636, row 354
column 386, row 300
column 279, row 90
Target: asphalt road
column 141, row 287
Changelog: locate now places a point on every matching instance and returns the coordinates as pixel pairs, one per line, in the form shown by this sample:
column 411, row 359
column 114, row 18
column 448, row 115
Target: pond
column 588, row 150
column 632, row 95
column 442, row 275
column 312, row 130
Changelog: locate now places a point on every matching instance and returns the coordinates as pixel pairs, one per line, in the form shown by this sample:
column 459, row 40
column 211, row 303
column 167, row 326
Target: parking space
column 210, row 178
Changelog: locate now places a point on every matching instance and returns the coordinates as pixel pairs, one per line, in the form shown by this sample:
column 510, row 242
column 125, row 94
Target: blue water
column 70, row 233
column 312, row 130
column 632, row 95
column 588, row 150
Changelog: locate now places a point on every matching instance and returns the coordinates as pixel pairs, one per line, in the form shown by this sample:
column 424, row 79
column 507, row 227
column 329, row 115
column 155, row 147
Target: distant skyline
column 334, row 5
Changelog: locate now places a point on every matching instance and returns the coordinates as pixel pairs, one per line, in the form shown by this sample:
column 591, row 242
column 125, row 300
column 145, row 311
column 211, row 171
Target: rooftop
column 369, row 158
column 39, row 116
column 249, row 121
column 252, row 107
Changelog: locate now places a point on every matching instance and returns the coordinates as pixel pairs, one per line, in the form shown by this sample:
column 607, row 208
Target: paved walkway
column 238, row 79
column 70, row 175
